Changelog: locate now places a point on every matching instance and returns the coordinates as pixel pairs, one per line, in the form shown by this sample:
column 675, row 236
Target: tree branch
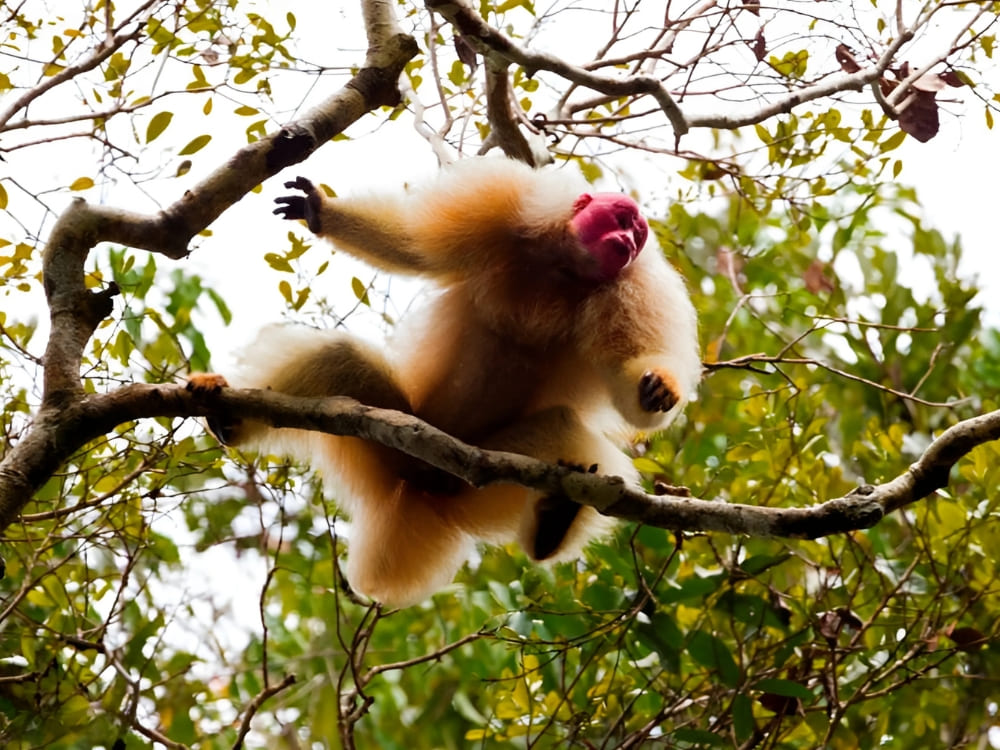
column 489, row 41
column 255, row 705
column 95, row 414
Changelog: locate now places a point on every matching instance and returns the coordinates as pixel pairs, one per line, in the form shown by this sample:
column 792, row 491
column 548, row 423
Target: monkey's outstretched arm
column 377, row 235
column 468, row 219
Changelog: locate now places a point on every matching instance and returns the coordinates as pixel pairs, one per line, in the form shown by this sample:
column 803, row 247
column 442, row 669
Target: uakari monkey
column 549, row 329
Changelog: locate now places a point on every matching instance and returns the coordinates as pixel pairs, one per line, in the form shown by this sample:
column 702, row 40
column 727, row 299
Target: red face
column 611, row 229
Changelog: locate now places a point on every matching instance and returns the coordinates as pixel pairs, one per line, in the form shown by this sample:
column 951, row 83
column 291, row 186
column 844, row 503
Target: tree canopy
column 813, row 560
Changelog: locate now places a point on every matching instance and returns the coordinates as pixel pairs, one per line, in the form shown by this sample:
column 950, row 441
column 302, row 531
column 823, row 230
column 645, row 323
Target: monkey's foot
column 206, row 383
column 426, row 478
column 658, row 391
column 210, row 384
column 554, row 514
column 592, row 469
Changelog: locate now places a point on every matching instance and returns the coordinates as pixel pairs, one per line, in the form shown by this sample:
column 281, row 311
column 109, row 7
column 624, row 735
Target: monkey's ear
column 582, row 202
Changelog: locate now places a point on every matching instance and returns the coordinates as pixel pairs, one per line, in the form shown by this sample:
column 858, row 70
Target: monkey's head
column 611, row 230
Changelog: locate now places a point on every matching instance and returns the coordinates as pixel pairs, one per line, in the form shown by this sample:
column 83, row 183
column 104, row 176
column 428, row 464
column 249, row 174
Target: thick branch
column 503, row 124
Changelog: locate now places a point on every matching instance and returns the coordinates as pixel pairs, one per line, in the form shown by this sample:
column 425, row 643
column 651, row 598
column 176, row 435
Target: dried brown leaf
column 816, row 278
column 846, row 59
column 759, row 45
column 918, row 116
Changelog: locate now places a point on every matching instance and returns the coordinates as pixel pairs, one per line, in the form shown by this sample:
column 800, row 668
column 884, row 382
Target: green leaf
column 787, row 688
column 511, row 4
column 743, row 722
column 893, row 141
column 712, row 653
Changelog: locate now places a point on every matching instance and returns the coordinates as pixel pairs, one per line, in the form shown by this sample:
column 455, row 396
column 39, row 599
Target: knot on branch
column 291, row 145
column 174, row 226
column 378, row 87
column 100, row 304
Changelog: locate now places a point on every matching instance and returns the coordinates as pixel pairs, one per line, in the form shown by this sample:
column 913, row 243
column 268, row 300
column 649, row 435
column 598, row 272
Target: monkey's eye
column 625, row 221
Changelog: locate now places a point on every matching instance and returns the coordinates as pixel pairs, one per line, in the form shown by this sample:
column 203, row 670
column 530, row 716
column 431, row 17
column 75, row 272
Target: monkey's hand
column 657, row 391
column 209, row 384
column 306, row 207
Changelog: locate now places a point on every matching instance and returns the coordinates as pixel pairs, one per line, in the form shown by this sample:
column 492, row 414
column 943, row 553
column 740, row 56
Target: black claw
column 654, row 394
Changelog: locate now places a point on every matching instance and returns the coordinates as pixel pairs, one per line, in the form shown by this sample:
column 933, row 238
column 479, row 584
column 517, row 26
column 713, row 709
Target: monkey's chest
column 477, row 391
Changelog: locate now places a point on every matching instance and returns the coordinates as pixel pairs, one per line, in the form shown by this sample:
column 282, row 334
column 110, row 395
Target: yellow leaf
column 360, row 291
column 3, row 197
column 81, row 183
column 647, row 465
column 157, row 125
column 196, row 144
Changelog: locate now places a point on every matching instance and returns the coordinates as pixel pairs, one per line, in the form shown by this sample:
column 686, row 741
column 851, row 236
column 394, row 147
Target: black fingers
column 291, row 207
column 301, row 183
column 305, row 207
column 655, row 394
column 554, row 514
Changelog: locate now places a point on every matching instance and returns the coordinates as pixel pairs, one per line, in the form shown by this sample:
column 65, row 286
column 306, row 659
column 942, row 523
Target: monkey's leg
column 305, row 362
column 550, row 527
column 402, row 548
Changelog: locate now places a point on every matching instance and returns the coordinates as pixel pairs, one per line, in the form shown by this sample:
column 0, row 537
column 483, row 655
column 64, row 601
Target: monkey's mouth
column 625, row 247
